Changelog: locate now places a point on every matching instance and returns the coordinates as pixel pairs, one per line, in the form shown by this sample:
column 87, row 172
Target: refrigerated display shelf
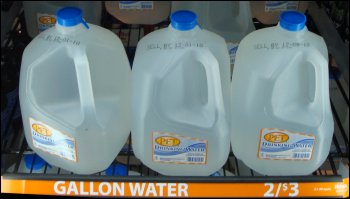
column 233, row 180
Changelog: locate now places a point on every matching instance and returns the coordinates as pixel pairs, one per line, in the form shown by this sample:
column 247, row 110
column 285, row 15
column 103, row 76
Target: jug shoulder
column 99, row 36
column 319, row 43
column 35, row 49
column 166, row 34
column 81, row 38
column 282, row 39
column 159, row 35
column 260, row 35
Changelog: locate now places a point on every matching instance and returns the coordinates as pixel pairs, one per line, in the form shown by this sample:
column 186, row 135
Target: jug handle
column 319, row 66
column 87, row 100
column 212, row 71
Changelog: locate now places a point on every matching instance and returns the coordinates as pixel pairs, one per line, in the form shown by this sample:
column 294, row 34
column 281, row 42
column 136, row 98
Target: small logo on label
column 47, row 20
column 276, row 137
column 167, row 141
column 42, row 130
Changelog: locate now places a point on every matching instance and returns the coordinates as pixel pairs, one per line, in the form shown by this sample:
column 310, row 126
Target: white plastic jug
column 75, row 94
column 139, row 12
column 268, row 12
column 40, row 15
column 229, row 19
column 281, row 117
column 179, row 103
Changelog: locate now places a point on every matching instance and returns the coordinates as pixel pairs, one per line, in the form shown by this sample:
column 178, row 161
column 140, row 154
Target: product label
column 136, row 5
column 279, row 144
column 52, row 141
column 172, row 148
column 271, row 6
column 45, row 21
column 232, row 49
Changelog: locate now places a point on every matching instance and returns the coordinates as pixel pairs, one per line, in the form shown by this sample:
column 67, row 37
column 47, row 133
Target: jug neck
column 291, row 34
column 70, row 30
column 191, row 32
column 70, row 20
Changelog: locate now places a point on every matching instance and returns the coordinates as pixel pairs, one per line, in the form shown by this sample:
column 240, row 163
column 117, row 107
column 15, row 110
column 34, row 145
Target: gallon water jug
column 40, row 15
column 139, row 12
column 231, row 20
column 281, row 117
column 179, row 103
column 268, row 12
column 75, row 94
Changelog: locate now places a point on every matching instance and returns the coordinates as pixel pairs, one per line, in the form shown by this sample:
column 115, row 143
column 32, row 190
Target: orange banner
column 147, row 189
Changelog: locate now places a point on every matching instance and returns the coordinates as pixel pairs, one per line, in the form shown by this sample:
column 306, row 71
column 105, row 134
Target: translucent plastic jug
column 179, row 103
column 40, row 15
column 229, row 19
column 139, row 12
column 75, row 94
column 268, row 12
column 281, row 117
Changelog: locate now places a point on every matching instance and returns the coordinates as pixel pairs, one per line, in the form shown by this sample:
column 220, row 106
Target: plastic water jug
column 180, row 100
column 40, row 15
column 139, row 12
column 268, row 12
column 281, row 117
column 75, row 94
column 231, row 20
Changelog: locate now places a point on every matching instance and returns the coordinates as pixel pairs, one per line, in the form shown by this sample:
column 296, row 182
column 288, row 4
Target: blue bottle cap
column 37, row 164
column 70, row 16
column 292, row 20
column 119, row 170
column 183, row 20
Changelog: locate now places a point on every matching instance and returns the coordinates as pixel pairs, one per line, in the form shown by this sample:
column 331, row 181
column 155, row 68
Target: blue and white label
column 52, row 141
column 232, row 49
column 280, row 144
column 271, row 6
column 136, row 5
column 172, row 148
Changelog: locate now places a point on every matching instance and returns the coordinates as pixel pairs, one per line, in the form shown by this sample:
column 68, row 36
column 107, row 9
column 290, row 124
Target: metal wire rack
column 14, row 145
